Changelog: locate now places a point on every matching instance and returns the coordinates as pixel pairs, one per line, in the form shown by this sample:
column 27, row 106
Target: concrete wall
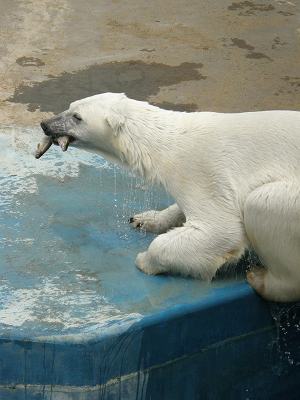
column 188, row 55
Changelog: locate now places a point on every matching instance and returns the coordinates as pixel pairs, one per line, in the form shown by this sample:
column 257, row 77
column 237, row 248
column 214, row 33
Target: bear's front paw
column 149, row 221
column 143, row 263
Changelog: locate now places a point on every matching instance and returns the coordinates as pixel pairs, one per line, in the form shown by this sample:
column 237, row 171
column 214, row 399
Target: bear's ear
column 115, row 121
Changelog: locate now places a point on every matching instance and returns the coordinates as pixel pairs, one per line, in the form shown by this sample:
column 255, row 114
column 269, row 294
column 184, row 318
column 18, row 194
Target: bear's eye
column 77, row 117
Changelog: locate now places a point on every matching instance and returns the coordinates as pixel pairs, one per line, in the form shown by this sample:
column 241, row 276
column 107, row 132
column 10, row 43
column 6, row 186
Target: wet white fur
column 235, row 179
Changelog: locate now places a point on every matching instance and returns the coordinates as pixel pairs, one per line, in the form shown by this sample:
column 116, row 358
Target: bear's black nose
column 45, row 128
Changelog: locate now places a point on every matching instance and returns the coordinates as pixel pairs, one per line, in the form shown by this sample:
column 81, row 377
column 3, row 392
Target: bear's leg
column 159, row 221
column 196, row 252
column 272, row 224
column 271, row 287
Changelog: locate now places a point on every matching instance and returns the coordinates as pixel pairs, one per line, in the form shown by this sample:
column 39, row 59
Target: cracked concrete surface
column 197, row 55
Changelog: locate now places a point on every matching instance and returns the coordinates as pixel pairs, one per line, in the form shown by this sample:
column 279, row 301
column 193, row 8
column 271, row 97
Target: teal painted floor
column 67, row 250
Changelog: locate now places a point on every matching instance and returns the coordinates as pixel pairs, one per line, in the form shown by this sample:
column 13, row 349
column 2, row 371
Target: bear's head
column 92, row 123
column 123, row 130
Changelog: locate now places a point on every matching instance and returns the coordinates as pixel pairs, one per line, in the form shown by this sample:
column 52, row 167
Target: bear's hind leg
column 272, row 224
column 272, row 288
column 159, row 221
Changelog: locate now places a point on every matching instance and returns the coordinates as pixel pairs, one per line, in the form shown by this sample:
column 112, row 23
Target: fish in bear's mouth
column 63, row 141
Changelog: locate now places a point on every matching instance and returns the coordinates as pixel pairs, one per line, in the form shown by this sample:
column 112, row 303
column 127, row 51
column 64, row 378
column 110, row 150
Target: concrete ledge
column 223, row 346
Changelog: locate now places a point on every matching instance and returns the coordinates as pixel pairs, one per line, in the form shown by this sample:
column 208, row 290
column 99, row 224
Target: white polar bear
column 235, row 179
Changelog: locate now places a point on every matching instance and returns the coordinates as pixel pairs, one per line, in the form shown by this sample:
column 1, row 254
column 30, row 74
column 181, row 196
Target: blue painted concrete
column 79, row 321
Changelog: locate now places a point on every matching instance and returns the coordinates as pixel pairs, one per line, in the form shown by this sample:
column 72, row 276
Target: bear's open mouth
column 47, row 141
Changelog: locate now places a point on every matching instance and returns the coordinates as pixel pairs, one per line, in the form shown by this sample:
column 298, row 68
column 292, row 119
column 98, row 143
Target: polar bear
column 235, row 178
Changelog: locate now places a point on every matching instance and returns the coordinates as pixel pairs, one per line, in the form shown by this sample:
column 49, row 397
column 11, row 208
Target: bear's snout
column 55, row 130
column 59, row 125
column 45, row 128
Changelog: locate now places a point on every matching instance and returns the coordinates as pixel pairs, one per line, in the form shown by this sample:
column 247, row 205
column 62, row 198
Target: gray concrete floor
column 187, row 55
